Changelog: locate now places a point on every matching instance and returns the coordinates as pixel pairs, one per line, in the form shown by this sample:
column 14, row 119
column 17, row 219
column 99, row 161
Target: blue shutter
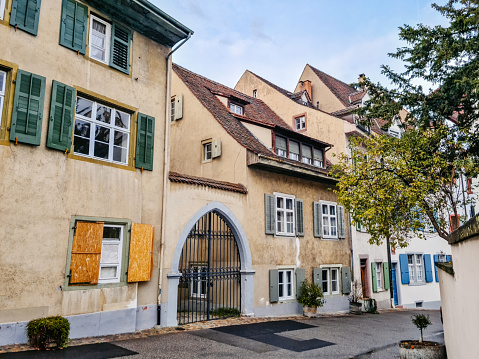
column 428, row 267
column 436, row 258
column 404, row 268
column 448, row 258
column 25, row 15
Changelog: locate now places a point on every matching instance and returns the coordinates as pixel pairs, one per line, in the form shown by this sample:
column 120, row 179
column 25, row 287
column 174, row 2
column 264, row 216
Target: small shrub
column 46, row 331
column 225, row 312
column 371, row 306
column 310, row 295
column 421, row 321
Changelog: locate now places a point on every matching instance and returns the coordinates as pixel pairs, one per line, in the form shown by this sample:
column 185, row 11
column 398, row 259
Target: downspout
column 166, row 169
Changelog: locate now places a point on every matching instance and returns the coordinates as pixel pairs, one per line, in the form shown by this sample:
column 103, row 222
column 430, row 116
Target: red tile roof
column 340, row 89
column 255, row 110
column 357, row 96
column 207, row 182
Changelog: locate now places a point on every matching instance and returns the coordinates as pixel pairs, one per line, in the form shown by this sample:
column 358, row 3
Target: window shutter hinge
column 74, row 230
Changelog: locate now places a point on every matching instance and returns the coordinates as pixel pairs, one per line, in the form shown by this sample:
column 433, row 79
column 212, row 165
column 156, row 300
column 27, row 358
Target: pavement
column 367, row 336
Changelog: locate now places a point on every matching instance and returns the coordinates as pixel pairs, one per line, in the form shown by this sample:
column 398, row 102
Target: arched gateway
column 211, row 274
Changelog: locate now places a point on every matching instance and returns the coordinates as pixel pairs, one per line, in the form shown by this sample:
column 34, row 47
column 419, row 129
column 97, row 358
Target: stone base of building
column 91, row 325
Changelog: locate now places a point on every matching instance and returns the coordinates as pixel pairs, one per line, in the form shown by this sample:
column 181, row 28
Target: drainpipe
column 166, row 169
column 391, row 293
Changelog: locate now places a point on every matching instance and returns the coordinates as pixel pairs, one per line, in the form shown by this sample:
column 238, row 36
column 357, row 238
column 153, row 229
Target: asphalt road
column 368, row 336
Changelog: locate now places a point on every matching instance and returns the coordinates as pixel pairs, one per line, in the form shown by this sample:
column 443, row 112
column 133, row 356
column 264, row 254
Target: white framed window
column 307, row 155
column 441, row 258
column 198, row 282
column 330, row 280
column 3, row 80
column 255, row 93
column 101, row 132
column 207, row 154
column 293, row 150
column 236, row 108
column 100, row 35
column 379, row 282
column 325, row 281
column 281, row 146
column 284, row 214
column 334, row 281
column 416, row 268
column 329, row 220
column 2, row 9
column 394, row 133
column 111, row 253
column 172, row 111
column 285, row 284
column 318, row 157
column 300, row 123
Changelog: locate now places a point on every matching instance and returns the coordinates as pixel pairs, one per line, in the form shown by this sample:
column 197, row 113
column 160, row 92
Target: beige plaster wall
column 319, row 125
column 41, row 189
column 265, row 135
column 187, row 134
column 459, row 301
column 320, row 92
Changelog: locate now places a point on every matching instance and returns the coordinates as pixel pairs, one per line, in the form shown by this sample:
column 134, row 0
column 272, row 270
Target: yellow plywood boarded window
column 86, row 253
column 141, row 253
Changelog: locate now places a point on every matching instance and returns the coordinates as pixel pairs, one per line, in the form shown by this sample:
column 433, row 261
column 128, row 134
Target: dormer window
column 235, row 108
column 307, row 155
column 394, row 133
column 362, row 127
column 294, row 150
column 297, row 151
column 281, row 146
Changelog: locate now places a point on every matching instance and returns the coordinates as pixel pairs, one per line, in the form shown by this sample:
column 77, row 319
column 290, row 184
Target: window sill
column 73, row 287
column 100, row 162
column 330, row 239
column 292, row 235
column 286, row 300
column 416, row 284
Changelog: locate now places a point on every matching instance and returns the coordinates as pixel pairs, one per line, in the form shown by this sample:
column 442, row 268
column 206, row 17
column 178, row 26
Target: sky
column 276, row 39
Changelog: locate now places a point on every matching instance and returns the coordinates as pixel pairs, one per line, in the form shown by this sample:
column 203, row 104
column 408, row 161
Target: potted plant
column 311, row 297
column 355, row 306
column 420, row 348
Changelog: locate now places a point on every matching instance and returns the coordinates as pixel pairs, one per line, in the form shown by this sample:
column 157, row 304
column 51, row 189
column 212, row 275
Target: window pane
column 280, row 277
column 2, row 81
column 120, row 154
column 110, row 253
column 289, row 203
column 111, row 232
column 98, row 26
column 290, row 290
column 279, row 221
column 307, row 152
column 122, row 119
column 281, row 143
column 325, row 209
column 280, row 291
column 288, row 276
column 97, row 53
column 121, row 139
column 293, row 147
column 84, row 107
column 103, row 114
column 81, row 141
column 332, row 210
column 102, row 134
column 334, row 274
column 108, row 272
column 279, row 202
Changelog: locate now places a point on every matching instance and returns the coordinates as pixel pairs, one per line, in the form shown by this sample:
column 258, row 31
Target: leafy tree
column 421, row 321
column 395, row 187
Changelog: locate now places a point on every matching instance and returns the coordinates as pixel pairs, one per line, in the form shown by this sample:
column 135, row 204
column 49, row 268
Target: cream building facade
column 233, row 158
column 84, row 88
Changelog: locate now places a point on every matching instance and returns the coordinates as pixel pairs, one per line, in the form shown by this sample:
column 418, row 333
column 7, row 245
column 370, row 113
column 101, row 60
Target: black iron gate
column 209, row 286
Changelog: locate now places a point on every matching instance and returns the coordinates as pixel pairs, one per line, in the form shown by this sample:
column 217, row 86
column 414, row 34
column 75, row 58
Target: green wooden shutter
column 273, row 286
column 299, row 217
column 346, row 280
column 341, row 223
column 25, row 15
column 120, row 48
column 145, row 142
column 73, row 27
column 374, row 277
column 300, row 274
column 62, row 110
column 317, row 220
column 386, row 275
column 269, row 214
column 28, row 108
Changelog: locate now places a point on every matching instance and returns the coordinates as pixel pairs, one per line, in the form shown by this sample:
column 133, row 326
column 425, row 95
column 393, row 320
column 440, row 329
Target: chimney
column 307, row 87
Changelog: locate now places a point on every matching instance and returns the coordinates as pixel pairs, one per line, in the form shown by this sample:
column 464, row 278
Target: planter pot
column 412, row 349
column 356, row 308
column 311, row 312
